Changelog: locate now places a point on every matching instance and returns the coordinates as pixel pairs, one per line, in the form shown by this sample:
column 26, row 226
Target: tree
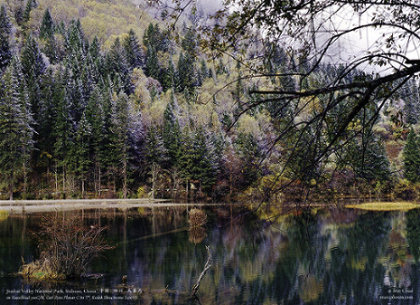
column 156, row 155
column 249, row 154
column 63, row 128
column 195, row 161
column 171, row 134
column 314, row 31
column 28, row 9
column 33, row 66
column 186, row 72
column 96, row 116
column 118, row 66
column 15, row 128
column 152, row 63
column 5, row 28
column 80, row 153
column 133, row 50
column 411, row 157
column 47, row 26
column 120, row 130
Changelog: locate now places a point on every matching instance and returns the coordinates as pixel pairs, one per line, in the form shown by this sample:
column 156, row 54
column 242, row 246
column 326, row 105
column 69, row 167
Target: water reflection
column 272, row 257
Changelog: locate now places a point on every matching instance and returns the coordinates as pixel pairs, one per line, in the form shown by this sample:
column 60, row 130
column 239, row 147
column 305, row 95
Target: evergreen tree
column 185, row 72
column 189, row 43
column 118, row 67
column 95, row 115
column 171, row 134
column 63, row 127
column 155, row 38
column 133, row 51
column 249, row 154
column 27, row 13
column 168, row 77
column 18, row 13
column 46, row 119
column 80, row 153
column 204, row 170
column 5, row 28
column 195, row 162
column 120, row 130
column 15, row 129
column 152, row 63
column 46, row 31
column 411, row 157
column 75, row 39
column 33, row 64
column 371, row 161
column 156, row 156
column 95, row 49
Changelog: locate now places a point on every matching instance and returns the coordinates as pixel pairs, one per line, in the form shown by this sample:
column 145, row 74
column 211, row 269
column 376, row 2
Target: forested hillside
column 98, row 99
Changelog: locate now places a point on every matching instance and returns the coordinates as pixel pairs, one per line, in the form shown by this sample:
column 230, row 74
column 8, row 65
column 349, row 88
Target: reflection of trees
column 413, row 232
column 354, row 272
column 306, row 257
column 311, row 256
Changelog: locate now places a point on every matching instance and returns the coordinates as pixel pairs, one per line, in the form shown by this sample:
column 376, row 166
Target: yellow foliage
column 310, row 289
column 3, row 215
column 248, row 124
column 385, row 206
column 104, row 19
column 359, row 264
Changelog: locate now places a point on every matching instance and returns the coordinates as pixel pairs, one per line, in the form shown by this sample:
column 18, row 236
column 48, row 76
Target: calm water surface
column 314, row 256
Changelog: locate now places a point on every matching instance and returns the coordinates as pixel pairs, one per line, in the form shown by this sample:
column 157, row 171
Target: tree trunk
column 56, row 178
column 11, row 187
column 83, row 188
column 64, row 181
column 154, row 178
column 25, row 180
column 187, row 191
column 125, row 178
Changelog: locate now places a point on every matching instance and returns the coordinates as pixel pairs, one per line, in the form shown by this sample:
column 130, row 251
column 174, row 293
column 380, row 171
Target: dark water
column 324, row 256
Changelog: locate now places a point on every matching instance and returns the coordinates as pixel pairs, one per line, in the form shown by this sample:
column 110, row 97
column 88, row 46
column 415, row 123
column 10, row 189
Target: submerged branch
column 207, row 266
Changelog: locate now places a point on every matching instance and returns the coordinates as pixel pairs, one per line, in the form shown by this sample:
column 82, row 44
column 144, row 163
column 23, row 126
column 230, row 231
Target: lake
column 271, row 256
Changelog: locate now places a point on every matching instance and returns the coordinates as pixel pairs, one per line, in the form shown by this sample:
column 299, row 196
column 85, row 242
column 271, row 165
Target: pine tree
column 46, row 119
column 33, row 64
column 95, row 115
column 18, row 13
column 156, row 155
column 411, row 157
column 76, row 42
column 152, row 64
column 249, row 153
column 15, row 129
column 80, row 152
column 27, row 13
column 95, row 49
column 46, row 31
column 185, row 72
column 204, row 170
column 189, row 43
column 120, row 130
column 63, row 127
column 167, row 76
column 133, row 51
column 195, row 162
column 371, row 162
column 118, row 67
column 171, row 133
column 5, row 28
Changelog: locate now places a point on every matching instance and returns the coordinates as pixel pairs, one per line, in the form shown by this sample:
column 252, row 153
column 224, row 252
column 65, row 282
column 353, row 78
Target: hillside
column 102, row 100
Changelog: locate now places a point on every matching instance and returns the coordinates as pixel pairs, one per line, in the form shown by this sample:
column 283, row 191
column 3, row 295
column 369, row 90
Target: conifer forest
column 116, row 99
column 209, row 152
